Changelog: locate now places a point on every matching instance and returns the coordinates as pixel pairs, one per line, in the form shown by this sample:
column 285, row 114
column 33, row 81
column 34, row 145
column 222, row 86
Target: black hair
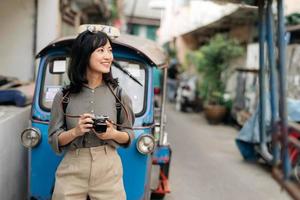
column 84, row 45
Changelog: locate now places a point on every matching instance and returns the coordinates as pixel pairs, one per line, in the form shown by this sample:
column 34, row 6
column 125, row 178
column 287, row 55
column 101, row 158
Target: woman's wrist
column 121, row 137
column 73, row 133
column 67, row 136
column 115, row 134
column 76, row 132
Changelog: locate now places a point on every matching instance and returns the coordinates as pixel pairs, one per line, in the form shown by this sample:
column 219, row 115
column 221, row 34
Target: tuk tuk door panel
column 42, row 166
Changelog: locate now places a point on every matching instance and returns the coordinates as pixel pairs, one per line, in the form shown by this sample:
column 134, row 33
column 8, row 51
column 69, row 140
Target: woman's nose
column 108, row 55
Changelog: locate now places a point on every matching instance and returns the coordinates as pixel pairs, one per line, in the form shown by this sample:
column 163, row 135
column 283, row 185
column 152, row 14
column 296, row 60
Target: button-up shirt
column 98, row 101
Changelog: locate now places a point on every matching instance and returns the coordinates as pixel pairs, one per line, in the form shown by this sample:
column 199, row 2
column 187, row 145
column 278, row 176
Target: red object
column 156, row 91
column 294, row 151
column 117, row 23
column 163, row 186
column 160, row 160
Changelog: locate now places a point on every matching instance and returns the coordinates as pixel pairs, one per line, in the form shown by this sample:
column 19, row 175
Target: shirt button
column 92, row 101
column 93, row 91
column 92, row 111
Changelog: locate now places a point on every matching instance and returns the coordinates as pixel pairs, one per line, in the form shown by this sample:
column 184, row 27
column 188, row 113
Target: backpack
column 66, row 94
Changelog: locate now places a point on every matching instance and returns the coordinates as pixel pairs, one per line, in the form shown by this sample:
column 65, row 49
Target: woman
column 91, row 166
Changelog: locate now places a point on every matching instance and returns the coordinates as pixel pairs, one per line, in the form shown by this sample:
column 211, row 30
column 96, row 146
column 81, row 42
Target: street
column 207, row 165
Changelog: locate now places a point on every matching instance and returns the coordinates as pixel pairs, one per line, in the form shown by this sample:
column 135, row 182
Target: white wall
column 16, row 38
column 17, row 34
column 292, row 6
column 49, row 22
column 13, row 156
column 178, row 20
column 17, row 59
column 141, row 9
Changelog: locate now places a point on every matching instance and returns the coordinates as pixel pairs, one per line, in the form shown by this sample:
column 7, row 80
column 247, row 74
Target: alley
column 206, row 164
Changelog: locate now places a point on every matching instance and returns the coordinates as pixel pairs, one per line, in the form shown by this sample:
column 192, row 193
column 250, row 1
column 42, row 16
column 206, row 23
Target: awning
column 243, row 15
column 248, row 2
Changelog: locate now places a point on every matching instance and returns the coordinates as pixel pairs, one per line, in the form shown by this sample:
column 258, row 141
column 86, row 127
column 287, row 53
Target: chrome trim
column 139, row 139
column 35, row 130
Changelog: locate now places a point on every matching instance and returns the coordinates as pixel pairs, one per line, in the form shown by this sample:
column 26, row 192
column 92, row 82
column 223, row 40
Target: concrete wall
column 17, row 59
column 243, row 33
column 183, row 45
column 16, row 38
column 13, row 156
column 141, row 8
column 292, row 6
column 17, row 34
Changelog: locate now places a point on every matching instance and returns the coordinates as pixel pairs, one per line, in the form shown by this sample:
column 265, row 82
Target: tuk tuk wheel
column 156, row 196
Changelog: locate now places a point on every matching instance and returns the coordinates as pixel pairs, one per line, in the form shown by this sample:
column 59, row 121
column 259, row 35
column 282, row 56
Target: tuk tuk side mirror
column 57, row 66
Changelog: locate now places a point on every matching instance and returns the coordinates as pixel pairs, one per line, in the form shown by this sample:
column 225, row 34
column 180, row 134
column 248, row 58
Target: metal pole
column 262, row 102
column 35, row 21
column 272, row 81
column 282, row 89
column 163, row 105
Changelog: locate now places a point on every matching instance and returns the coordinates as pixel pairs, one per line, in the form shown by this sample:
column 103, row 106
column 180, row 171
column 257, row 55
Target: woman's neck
column 94, row 79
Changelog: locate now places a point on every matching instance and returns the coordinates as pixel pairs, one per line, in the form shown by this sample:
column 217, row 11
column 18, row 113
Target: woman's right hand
column 84, row 125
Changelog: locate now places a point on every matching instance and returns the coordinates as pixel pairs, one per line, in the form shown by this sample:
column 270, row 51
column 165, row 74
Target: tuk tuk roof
column 151, row 50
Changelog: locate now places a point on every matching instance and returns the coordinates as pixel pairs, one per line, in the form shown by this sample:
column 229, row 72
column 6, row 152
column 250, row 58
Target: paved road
column 206, row 164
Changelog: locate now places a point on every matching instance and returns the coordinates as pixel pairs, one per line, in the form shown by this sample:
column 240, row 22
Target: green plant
column 114, row 13
column 212, row 61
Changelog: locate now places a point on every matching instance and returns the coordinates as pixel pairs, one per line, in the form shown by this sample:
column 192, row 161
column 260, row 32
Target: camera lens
column 99, row 125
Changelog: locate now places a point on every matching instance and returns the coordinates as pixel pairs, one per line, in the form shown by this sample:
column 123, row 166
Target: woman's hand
column 84, row 125
column 110, row 134
column 113, row 134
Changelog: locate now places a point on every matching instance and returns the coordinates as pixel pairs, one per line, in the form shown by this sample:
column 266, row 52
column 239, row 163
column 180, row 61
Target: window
column 135, row 91
column 151, row 32
column 55, row 77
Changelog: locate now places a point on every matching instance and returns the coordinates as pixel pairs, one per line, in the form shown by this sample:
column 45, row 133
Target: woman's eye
column 100, row 50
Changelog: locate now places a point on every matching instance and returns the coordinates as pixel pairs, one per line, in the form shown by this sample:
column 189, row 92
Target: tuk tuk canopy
column 147, row 48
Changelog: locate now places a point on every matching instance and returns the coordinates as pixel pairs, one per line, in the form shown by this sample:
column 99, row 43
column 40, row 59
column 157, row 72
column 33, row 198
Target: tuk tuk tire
column 155, row 196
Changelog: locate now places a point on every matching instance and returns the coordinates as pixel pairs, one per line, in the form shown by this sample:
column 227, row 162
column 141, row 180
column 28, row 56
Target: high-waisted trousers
column 95, row 172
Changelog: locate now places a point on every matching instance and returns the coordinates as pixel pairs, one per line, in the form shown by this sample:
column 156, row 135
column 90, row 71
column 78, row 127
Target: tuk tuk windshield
column 55, row 77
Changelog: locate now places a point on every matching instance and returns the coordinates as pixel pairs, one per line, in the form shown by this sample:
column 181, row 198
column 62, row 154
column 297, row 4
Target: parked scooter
column 187, row 95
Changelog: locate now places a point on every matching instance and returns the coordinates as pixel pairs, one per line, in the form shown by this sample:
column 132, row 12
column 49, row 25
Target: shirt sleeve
column 56, row 125
column 127, row 121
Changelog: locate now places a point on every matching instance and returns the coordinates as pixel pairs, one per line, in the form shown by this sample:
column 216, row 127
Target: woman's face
column 101, row 59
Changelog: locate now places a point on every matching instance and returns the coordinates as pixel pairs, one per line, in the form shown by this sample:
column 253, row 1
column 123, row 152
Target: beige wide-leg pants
column 96, row 172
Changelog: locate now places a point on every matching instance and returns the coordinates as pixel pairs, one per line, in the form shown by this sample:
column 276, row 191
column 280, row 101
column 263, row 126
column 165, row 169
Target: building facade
column 27, row 26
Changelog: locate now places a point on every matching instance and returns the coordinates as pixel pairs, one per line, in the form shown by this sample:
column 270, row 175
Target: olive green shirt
column 98, row 101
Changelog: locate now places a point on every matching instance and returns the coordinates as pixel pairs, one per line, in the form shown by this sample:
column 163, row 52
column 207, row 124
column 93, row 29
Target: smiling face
column 101, row 59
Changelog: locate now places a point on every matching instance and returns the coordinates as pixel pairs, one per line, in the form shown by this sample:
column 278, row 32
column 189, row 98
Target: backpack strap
column 118, row 105
column 65, row 101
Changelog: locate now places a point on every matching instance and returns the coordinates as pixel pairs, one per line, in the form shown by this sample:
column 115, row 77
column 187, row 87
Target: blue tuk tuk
column 134, row 61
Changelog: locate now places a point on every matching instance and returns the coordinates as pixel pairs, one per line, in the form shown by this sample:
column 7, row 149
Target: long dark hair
column 83, row 46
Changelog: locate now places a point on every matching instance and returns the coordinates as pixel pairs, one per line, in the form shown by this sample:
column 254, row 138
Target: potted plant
column 212, row 61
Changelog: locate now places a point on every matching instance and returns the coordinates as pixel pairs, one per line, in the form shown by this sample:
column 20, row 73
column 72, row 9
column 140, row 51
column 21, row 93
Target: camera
column 100, row 123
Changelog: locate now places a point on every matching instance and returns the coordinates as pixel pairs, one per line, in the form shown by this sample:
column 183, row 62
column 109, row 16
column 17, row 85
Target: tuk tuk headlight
column 145, row 144
column 30, row 137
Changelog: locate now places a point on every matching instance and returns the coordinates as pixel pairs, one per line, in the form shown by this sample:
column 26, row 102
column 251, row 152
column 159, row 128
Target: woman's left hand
column 110, row 133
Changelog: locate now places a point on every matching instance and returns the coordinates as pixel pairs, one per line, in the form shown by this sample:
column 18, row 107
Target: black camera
column 99, row 124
